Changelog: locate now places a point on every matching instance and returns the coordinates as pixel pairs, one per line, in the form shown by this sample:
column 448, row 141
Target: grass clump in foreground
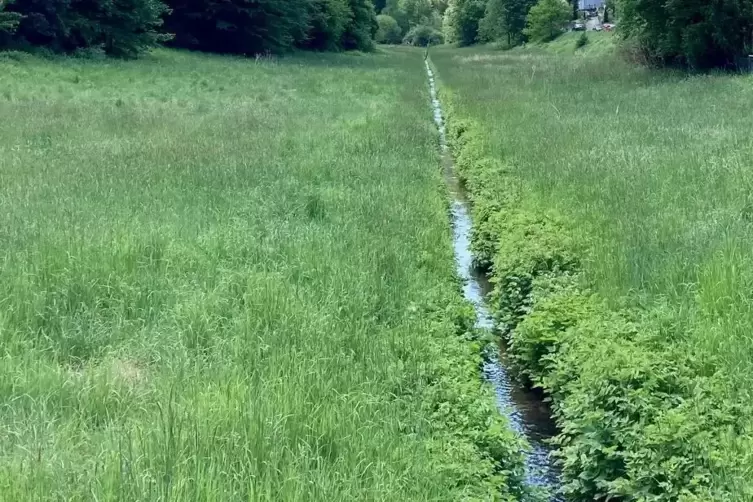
column 612, row 210
column 198, row 298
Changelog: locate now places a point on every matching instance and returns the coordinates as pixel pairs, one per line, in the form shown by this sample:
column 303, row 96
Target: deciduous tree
column 505, row 20
column 547, row 19
column 462, row 20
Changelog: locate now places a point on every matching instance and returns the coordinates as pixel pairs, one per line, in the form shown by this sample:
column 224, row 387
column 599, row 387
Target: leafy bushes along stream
column 473, row 442
column 638, row 419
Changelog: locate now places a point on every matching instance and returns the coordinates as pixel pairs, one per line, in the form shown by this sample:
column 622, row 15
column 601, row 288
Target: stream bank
column 525, row 410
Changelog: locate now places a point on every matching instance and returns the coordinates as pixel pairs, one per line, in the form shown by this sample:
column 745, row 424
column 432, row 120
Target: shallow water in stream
column 527, row 413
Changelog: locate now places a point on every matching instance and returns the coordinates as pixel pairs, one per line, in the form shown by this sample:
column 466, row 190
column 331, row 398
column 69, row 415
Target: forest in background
column 126, row 28
column 688, row 33
column 678, row 33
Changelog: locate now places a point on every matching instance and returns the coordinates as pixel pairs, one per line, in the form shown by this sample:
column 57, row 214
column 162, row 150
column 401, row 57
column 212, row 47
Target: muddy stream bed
column 527, row 414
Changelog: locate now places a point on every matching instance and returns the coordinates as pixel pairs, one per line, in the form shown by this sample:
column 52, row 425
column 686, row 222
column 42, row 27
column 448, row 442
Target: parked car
column 578, row 26
column 608, row 26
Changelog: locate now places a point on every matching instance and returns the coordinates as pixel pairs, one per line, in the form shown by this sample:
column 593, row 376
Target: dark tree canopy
column 258, row 26
column 127, row 27
column 8, row 21
column 119, row 27
column 360, row 31
column 697, row 33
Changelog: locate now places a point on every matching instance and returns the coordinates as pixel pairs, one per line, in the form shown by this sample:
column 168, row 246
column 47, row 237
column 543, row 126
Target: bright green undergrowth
column 227, row 279
column 612, row 210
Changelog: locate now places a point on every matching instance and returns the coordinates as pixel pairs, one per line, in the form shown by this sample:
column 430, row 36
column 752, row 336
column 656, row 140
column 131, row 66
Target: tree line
column 666, row 32
column 689, row 33
column 125, row 28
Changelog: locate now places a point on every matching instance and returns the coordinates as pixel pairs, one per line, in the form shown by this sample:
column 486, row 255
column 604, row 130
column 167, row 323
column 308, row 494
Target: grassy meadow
column 227, row 279
column 651, row 173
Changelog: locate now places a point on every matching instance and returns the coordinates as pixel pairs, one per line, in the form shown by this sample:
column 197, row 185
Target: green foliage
column 533, row 245
column 547, row 20
column 423, row 36
column 128, row 27
column 417, row 12
column 688, row 32
column 461, row 22
column 191, row 315
column 241, row 27
column 460, row 409
column 326, row 25
column 8, row 21
column 439, row 6
column 122, row 28
column 389, row 31
column 273, row 26
column 643, row 414
column 536, row 341
column 360, row 31
column 492, row 26
column 505, row 20
column 412, row 13
column 394, row 9
column 582, row 41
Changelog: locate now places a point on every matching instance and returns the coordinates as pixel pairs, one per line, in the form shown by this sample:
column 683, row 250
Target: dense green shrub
column 492, row 26
column 689, row 32
column 535, row 342
column 415, row 12
column 547, row 20
column 389, row 31
column 474, row 441
column 120, row 27
column 530, row 245
column 395, row 10
column 423, row 36
column 582, row 41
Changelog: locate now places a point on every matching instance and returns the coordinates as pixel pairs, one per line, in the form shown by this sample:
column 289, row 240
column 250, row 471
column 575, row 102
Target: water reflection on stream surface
column 526, row 412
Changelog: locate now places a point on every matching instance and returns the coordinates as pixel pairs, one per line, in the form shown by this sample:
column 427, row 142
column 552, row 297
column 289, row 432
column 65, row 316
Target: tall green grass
column 651, row 170
column 227, row 279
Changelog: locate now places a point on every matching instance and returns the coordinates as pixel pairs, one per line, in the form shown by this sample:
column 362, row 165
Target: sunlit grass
column 213, row 279
column 654, row 170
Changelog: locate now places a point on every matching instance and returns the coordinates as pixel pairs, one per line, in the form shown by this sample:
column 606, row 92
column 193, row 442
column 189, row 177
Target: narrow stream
column 526, row 412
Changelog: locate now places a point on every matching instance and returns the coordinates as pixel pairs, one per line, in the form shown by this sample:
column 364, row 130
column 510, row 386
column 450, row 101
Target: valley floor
column 227, row 279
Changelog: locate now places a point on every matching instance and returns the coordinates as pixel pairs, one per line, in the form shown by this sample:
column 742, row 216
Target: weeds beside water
column 612, row 205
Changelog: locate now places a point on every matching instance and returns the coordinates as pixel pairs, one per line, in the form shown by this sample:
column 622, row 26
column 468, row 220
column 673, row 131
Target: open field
column 223, row 279
column 646, row 175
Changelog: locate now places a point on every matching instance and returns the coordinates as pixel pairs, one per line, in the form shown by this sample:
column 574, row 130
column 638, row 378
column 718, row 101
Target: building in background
column 590, row 4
